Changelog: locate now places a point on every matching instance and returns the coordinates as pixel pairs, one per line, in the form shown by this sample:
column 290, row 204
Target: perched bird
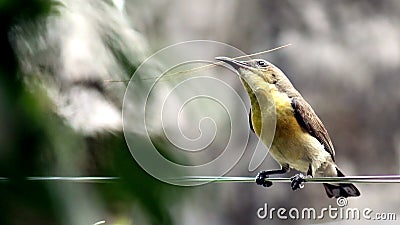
column 301, row 141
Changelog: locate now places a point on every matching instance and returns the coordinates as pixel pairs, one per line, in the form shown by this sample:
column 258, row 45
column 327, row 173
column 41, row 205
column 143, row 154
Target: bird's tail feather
column 341, row 190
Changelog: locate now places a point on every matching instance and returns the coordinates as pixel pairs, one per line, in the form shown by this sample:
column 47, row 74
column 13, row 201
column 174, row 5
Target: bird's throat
column 255, row 109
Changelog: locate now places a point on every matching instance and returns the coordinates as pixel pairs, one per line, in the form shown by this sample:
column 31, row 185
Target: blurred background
column 60, row 111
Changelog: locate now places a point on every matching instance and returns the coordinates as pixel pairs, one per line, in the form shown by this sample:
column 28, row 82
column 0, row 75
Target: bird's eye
column 262, row 63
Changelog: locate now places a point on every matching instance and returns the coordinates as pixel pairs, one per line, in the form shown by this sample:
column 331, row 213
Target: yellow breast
column 286, row 123
column 291, row 145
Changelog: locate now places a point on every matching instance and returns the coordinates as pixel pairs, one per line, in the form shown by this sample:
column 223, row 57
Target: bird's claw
column 297, row 181
column 260, row 179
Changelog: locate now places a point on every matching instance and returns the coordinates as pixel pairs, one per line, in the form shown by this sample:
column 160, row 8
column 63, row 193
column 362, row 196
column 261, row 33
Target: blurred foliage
column 36, row 142
column 22, row 128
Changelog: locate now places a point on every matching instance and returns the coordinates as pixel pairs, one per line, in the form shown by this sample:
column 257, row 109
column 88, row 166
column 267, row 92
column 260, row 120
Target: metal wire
column 68, row 179
column 215, row 179
column 348, row 179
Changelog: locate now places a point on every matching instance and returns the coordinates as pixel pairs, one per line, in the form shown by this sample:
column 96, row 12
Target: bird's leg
column 298, row 179
column 260, row 179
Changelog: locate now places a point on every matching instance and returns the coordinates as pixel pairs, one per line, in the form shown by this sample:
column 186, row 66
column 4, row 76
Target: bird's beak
column 234, row 63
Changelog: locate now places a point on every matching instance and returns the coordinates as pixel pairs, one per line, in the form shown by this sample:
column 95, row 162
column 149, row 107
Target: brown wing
column 307, row 119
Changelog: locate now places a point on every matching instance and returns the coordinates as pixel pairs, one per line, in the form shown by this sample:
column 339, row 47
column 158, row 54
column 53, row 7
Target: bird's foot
column 297, row 181
column 260, row 179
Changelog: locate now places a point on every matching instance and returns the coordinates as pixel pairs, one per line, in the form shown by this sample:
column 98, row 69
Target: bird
column 301, row 141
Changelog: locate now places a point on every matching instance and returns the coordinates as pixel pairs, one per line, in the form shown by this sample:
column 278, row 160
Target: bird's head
column 255, row 67
column 261, row 74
